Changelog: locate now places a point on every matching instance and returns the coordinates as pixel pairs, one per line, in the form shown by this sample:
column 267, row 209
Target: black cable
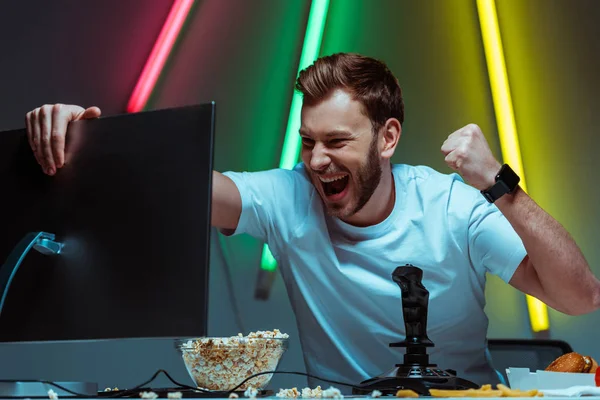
column 140, row 386
column 56, row 385
column 127, row 392
column 292, row 373
column 123, row 393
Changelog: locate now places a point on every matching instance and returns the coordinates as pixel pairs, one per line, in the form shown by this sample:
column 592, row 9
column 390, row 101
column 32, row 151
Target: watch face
column 509, row 177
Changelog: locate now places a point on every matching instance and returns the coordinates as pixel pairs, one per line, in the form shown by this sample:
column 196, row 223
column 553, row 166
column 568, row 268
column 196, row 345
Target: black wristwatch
column 506, row 182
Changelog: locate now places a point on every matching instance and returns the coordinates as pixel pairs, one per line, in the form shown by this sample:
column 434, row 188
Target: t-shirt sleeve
column 493, row 243
column 266, row 197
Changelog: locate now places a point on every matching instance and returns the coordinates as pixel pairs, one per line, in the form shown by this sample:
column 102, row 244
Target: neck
column 380, row 205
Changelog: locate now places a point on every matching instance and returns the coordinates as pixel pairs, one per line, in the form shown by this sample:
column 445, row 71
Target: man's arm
column 47, row 130
column 554, row 270
column 226, row 203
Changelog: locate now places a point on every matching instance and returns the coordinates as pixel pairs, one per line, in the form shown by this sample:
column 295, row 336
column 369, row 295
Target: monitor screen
column 131, row 213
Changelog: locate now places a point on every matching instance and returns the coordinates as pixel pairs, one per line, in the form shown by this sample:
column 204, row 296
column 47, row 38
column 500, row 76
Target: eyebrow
column 334, row 133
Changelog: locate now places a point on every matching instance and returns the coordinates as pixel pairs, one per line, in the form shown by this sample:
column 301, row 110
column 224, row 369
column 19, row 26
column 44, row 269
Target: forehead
column 337, row 112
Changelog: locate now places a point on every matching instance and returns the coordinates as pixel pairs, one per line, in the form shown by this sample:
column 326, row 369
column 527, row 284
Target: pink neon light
column 160, row 53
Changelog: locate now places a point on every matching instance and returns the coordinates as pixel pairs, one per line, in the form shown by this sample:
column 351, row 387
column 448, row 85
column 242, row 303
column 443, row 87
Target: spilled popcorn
column 222, row 363
column 233, row 396
column 332, row 393
column 174, row 395
column 315, row 393
column 288, row 393
column 148, row 395
column 376, row 393
column 308, row 393
column 251, row 392
column 52, row 394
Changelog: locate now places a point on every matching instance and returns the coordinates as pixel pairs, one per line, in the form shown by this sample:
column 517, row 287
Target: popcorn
column 332, row 393
column 233, row 396
column 376, row 393
column 52, row 394
column 251, row 392
column 306, row 393
column 288, row 393
column 174, row 395
column 223, row 363
column 315, row 393
column 148, row 395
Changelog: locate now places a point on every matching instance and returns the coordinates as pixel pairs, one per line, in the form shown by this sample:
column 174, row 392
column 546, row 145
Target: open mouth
column 335, row 185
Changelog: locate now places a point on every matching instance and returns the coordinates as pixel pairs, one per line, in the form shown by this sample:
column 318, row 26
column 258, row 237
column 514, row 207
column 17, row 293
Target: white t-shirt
column 338, row 276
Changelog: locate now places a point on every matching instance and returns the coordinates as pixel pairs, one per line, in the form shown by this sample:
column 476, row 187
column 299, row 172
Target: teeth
column 330, row 179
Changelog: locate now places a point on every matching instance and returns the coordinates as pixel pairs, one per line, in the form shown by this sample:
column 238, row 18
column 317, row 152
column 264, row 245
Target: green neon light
column 310, row 52
column 267, row 261
column 291, row 144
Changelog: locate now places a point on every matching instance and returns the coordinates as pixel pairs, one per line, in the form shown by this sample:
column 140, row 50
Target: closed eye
column 308, row 142
column 337, row 142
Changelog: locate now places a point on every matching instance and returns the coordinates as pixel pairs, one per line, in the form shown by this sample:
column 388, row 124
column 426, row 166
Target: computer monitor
column 131, row 209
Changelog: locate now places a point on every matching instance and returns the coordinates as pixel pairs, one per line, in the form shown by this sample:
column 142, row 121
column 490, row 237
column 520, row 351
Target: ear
column 390, row 135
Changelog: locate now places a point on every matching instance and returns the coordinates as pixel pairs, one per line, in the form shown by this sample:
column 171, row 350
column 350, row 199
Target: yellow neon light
column 509, row 142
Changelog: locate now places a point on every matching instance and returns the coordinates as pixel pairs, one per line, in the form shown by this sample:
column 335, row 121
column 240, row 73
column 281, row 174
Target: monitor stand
column 35, row 389
column 44, row 243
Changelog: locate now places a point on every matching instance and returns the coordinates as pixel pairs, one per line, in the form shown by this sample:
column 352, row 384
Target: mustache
column 330, row 171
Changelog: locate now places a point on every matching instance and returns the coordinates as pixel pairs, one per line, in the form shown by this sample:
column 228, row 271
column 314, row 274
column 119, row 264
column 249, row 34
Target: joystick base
column 418, row 378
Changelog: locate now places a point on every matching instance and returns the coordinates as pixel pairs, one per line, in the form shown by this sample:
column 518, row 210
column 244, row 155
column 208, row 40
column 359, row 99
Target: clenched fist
column 468, row 153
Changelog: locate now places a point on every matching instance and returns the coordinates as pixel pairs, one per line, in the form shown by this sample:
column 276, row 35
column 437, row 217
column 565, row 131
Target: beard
column 366, row 181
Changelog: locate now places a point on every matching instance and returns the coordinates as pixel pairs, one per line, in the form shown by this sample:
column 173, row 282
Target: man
column 341, row 221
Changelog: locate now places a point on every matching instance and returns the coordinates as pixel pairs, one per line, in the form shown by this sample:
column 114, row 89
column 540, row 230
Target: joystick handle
column 415, row 299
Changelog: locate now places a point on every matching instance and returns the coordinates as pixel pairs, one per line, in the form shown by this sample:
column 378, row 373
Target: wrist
column 505, row 181
column 490, row 177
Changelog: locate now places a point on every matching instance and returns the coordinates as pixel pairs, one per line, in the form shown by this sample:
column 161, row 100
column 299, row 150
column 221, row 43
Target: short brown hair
column 368, row 81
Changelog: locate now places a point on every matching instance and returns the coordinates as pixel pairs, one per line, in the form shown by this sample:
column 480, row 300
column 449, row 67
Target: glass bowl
column 222, row 363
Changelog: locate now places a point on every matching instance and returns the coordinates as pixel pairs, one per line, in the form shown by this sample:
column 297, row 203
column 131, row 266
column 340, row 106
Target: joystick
column 415, row 299
column 416, row 372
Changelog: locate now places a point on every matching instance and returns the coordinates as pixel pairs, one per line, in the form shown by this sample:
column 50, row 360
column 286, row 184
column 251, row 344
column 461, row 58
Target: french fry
column 485, row 391
column 466, row 393
column 508, row 392
column 406, row 393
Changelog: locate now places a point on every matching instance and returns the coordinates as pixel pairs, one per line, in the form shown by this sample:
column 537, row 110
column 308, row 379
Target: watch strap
column 496, row 191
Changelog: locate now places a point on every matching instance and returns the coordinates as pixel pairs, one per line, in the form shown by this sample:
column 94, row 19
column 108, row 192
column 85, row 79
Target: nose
column 319, row 160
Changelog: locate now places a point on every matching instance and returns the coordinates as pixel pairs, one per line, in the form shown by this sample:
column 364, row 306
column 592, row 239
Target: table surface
column 369, row 397
column 364, row 397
